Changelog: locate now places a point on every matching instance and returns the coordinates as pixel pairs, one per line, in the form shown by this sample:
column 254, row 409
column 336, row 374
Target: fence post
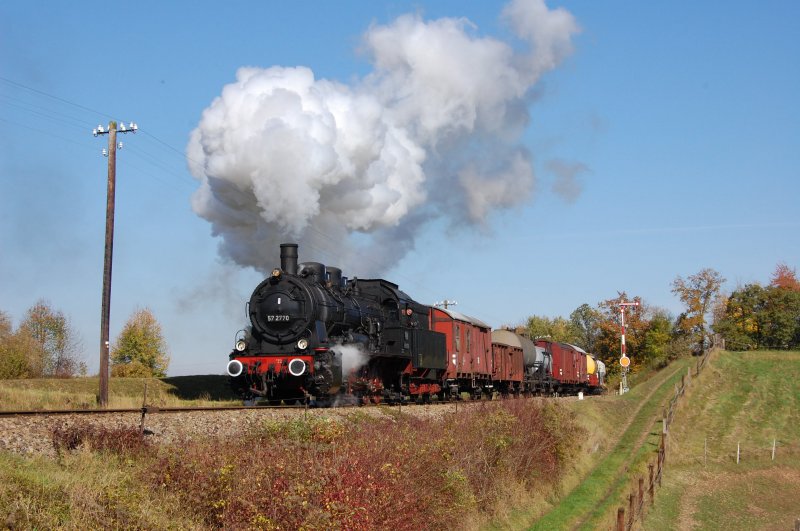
column 652, row 489
column 621, row 519
column 705, row 451
column 773, row 449
column 737, row 453
column 631, row 510
column 640, row 503
column 661, row 453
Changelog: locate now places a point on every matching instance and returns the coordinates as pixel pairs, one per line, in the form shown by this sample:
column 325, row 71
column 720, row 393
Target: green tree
column 759, row 317
column 61, row 350
column 697, row 292
column 742, row 323
column 140, row 349
column 557, row 329
column 658, row 338
column 781, row 322
column 585, row 325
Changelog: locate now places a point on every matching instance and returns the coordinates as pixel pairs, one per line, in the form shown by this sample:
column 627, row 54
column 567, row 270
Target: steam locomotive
column 315, row 334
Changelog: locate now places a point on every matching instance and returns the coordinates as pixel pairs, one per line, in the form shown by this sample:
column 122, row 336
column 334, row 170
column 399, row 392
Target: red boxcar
column 508, row 365
column 468, row 342
column 569, row 364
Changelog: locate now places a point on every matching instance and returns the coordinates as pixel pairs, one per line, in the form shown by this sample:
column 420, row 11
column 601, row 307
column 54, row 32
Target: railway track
column 149, row 409
column 145, row 410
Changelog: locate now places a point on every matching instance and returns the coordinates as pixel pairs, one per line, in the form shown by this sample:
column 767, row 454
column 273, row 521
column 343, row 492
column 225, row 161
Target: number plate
column 277, row 318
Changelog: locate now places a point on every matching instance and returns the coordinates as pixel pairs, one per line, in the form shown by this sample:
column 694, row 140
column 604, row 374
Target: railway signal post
column 624, row 360
column 111, row 153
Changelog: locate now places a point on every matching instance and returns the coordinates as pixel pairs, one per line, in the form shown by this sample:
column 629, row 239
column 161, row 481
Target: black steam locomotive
column 307, row 321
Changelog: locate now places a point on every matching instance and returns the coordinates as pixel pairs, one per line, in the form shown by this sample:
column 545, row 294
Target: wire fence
column 726, row 451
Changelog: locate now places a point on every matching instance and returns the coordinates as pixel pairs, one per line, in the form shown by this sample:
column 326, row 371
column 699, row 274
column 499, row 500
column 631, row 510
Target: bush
column 366, row 473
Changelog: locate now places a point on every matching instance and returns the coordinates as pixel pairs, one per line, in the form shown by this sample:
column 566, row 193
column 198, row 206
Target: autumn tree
column 140, row 350
column 785, row 277
column 608, row 343
column 14, row 361
column 59, row 345
column 697, row 292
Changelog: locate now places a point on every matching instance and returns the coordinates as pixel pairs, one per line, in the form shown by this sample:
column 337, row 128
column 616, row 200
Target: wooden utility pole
column 111, row 153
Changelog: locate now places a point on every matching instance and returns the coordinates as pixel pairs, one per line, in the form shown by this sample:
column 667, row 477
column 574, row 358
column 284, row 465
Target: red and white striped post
column 624, row 360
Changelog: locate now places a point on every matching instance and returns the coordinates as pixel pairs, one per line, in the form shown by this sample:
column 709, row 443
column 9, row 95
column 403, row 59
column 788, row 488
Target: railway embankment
column 624, row 434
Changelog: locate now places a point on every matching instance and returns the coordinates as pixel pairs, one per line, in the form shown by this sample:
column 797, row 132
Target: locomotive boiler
column 314, row 333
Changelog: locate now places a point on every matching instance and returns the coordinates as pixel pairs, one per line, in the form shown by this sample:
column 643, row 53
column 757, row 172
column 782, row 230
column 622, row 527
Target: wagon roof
column 466, row 318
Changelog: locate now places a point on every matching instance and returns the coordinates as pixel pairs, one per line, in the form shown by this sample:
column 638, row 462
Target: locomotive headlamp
column 302, row 344
column 235, row 368
column 276, row 273
column 297, row 367
column 241, row 345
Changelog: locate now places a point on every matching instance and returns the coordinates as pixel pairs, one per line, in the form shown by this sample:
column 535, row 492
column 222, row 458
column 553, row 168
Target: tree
column 61, row 350
column 740, row 324
column 140, row 350
column 658, row 338
column 697, row 292
column 785, row 277
column 584, row 321
column 13, row 359
column 757, row 318
column 558, row 329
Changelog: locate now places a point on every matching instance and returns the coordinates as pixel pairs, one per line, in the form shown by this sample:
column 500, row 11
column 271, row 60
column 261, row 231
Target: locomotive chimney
column 289, row 258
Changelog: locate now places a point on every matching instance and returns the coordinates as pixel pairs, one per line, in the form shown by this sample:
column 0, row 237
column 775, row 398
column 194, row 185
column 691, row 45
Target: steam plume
column 353, row 357
column 433, row 131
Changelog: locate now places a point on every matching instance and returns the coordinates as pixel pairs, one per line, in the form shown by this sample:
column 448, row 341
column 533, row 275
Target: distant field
column 81, row 393
column 747, row 399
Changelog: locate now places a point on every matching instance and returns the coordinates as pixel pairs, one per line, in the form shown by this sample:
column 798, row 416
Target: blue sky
column 666, row 141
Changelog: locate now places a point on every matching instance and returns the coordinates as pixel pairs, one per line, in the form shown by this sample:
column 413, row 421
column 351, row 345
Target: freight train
column 317, row 335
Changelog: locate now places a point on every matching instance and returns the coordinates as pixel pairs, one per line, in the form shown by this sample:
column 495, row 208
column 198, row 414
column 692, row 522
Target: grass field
column 749, row 400
column 81, row 393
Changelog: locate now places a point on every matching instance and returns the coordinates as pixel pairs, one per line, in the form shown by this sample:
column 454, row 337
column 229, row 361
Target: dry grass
column 81, row 393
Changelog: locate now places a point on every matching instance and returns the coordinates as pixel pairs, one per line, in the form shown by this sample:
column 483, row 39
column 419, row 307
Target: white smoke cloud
column 356, row 169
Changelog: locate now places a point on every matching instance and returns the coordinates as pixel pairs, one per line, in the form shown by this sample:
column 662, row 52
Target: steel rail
column 142, row 410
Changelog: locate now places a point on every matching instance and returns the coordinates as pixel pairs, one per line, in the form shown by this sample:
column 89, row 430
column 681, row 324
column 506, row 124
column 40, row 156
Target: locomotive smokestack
column 289, row 258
